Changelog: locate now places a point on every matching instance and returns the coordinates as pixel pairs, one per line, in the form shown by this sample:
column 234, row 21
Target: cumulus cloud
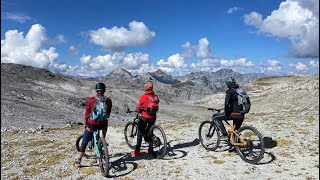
column 233, row 9
column 203, row 50
column 174, row 61
column 253, row 19
column 299, row 66
column 16, row 48
column 85, row 59
column 205, row 64
column 241, row 62
column 103, row 64
column 73, row 49
column 271, row 66
column 189, row 50
column 29, row 50
column 297, row 20
column 18, row 17
column 314, row 64
column 118, row 38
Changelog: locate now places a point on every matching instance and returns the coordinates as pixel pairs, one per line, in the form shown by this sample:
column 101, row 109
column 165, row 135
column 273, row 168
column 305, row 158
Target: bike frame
column 234, row 133
column 96, row 136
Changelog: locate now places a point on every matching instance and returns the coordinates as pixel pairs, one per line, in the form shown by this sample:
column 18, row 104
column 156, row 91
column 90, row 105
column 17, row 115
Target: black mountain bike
column 155, row 132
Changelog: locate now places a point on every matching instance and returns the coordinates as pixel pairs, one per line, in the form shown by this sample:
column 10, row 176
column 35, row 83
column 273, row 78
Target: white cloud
column 314, row 64
column 73, row 49
column 233, row 9
column 253, row 19
column 174, row 61
column 135, row 60
column 104, row 64
column 27, row 50
column 203, row 50
column 272, row 66
column 205, row 64
column 299, row 66
column 59, row 39
column 21, row 18
column 241, row 62
column 189, row 50
column 297, row 20
column 85, row 59
column 117, row 39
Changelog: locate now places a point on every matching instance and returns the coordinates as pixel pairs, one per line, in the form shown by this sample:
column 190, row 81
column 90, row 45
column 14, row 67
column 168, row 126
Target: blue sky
column 91, row 38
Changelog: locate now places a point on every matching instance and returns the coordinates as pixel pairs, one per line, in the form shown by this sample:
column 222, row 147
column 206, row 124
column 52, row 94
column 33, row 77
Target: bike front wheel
column 130, row 134
column 104, row 157
column 159, row 141
column 254, row 149
column 209, row 135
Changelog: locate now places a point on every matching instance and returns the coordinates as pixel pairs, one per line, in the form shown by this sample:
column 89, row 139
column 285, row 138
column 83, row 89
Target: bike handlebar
column 129, row 111
column 214, row 109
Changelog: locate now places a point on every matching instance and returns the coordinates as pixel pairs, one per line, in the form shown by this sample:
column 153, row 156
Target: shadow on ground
column 269, row 143
column 174, row 151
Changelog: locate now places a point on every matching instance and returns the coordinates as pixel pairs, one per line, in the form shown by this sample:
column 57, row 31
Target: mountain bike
column 247, row 140
column 100, row 146
column 156, row 133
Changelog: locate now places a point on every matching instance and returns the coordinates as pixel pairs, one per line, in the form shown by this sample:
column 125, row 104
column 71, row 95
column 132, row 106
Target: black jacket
column 231, row 100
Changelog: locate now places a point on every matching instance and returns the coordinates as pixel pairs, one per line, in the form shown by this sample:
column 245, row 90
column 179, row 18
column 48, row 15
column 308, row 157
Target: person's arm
column 109, row 105
column 140, row 105
column 88, row 111
column 227, row 103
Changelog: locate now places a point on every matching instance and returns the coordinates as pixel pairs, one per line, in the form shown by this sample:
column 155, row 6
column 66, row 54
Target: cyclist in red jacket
column 92, row 125
column 148, row 107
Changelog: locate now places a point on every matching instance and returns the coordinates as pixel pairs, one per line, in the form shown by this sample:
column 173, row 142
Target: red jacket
column 143, row 100
column 90, row 107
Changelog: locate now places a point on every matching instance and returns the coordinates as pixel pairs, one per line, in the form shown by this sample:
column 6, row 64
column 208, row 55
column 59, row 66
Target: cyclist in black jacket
column 231, row 109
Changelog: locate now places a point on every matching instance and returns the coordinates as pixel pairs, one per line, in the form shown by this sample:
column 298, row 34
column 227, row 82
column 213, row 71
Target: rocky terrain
column 284, row 109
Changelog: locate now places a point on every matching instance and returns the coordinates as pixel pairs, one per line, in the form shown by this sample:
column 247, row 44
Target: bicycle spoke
column 254, row 149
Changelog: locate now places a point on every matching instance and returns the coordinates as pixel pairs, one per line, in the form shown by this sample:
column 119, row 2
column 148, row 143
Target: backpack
column 243, row 101
column 99, row 112
column 152, row 106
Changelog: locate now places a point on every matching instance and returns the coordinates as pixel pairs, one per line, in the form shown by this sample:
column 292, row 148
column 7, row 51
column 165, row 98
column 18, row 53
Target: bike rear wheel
column 130, row 134
column 159, row 141
column 79, row 142
column 104, row 157
column 209, row 135
column 254, row 150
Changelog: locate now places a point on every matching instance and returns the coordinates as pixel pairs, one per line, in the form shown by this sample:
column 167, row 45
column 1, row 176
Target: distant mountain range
column 189, row 87
column 205, row 82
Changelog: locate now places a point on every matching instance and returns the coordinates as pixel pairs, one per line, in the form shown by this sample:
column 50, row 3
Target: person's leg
column 141, row 130
column 105, row 129
column 218, row 121
column 151, row 122
column 87, row 136
column 237, row 123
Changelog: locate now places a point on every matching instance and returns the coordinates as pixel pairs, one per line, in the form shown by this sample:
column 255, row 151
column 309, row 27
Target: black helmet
column 230, row 81
column 100, row 87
